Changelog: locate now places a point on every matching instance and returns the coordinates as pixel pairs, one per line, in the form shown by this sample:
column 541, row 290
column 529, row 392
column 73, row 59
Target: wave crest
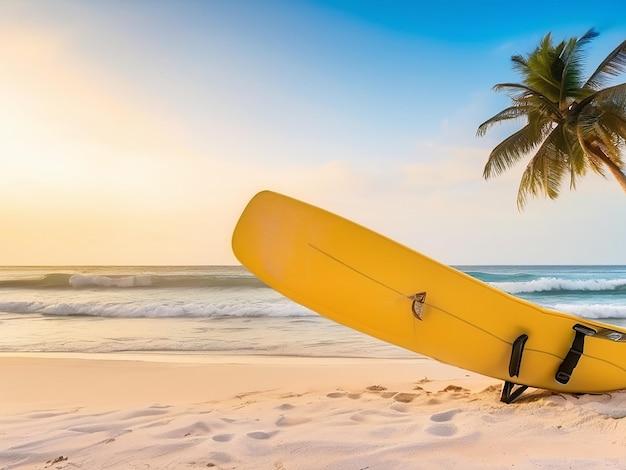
column 594, row 311
column 552, row 284
column 82, row 281
column 156, row 310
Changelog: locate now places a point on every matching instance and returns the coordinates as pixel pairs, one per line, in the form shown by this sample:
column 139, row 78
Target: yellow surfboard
column 368, row 282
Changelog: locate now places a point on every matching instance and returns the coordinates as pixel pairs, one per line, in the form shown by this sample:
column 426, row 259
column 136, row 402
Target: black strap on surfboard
column 564, row 373
column 509, row 392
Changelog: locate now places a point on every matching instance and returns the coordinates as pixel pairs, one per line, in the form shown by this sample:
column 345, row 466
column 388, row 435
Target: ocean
column 225, row 310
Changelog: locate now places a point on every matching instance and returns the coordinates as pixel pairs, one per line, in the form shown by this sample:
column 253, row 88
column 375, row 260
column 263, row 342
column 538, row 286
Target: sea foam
column 157, row 310
column 554, row 284
column 80, row 281
column 594, row 311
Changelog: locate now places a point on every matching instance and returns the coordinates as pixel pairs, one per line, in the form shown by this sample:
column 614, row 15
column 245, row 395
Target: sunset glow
column 135, row 132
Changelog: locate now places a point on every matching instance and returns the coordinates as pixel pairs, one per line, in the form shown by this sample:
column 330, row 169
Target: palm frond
column 518, row 91
column 601, row 120
column 519, row 63
column 613, row 65
column 515, row 90
column 573, row 58
column 597, row 134
column 512, row 112
column 508, row 152
column 544, row 172
column 614, row 118
column 574, row 48
column 544, row 68
column 615, row 94
column 589, row 134
column 574, row 154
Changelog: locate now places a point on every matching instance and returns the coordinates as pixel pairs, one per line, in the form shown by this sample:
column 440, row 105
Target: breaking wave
column 553, row 284
column 156, row 310
column 83, row 281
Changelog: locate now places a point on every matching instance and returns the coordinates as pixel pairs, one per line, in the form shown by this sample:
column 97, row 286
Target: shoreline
column 249, row 412
column 68, row 379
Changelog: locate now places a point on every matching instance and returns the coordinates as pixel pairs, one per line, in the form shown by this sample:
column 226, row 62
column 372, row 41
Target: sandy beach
column 167, row 412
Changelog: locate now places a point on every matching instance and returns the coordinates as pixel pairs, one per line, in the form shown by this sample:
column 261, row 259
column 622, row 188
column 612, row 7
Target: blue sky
column 134, row 132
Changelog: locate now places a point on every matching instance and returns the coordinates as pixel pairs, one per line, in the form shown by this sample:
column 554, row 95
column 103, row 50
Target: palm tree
column 572, row 125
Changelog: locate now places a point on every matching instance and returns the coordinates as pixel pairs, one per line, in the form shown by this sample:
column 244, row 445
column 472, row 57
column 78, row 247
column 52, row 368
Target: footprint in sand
column 221, row 457
column 404, row 397
column 285, row 406
column 89, row 429
column 442, row 430
column 616, row 414
column 371, row 416
column 445, row 429
column 145, row 412
column 291, row 420
column 260, row 434
column 455, row 389
column 444, row 416
column 198, row 428
column 336, row 395
column 222, row 437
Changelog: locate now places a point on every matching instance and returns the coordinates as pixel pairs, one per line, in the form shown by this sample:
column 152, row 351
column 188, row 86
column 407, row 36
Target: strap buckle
column 564, row 373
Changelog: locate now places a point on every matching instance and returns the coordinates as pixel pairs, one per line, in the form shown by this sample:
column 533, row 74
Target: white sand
column 291, row 413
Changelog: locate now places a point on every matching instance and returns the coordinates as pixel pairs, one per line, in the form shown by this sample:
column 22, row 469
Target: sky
column 133, row 132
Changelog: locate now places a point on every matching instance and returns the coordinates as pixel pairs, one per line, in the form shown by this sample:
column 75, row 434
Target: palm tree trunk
column 619, row 176
column 613, row 168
